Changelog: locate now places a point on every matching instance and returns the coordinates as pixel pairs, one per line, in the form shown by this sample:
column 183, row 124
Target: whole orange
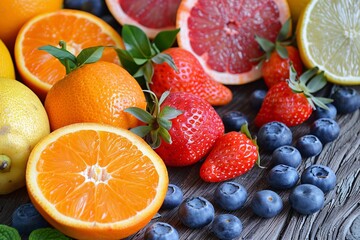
column 96, row 92
column 14, row 13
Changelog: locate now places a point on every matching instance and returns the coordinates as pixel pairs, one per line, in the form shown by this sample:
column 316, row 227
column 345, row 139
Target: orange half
column 93, row 181
column 40, row 70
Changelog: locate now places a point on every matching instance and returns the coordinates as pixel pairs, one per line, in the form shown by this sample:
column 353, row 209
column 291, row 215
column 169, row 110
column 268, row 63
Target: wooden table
column 334, row 221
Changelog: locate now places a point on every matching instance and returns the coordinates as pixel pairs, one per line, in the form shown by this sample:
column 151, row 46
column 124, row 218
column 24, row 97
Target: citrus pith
column 94, row 181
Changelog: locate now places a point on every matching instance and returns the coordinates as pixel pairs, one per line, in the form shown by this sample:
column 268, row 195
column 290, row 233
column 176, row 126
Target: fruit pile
column 105, row 96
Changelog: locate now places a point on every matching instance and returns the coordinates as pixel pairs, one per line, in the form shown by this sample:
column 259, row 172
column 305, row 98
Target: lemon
column 23, row 122
column 328, row 36
column 6, row 62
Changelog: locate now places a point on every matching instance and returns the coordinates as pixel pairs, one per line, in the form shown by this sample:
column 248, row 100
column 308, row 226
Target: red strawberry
column 187, row 125
column 234, row 154
column 292, row 102
column 278, row 57
column 276, row 68
column 190, row 77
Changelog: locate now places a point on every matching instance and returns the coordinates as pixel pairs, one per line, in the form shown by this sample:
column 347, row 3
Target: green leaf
column 163, row 122
column 306, row 76
column 140, row 61
column 64, row 56
column 46, row 234
column 169, row 113
column 317, row 83
column 90, row 55
column 165, row 135
column 147, row 70
column 140, row 114
column 7, row 233
column 165, row 39
column 155, row 139
column 141, row 131
column 136, row 42
column 127, row 61
column 163, row 97
column 282, row 51
column 163, row 57
column 265, row 44
column 284, row 31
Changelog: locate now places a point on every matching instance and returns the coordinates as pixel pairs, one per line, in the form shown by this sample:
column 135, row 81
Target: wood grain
column 341, row 209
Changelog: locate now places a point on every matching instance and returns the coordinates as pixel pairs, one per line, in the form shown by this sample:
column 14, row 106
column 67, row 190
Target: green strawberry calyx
column 158, row 121
column 283, row 39
column 245, row 130
column 310, row 82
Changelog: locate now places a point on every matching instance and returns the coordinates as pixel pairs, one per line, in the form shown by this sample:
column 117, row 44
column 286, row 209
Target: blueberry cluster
column 95, row 7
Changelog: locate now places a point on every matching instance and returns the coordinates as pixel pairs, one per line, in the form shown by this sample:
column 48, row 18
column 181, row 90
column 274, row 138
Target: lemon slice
column 328, row 36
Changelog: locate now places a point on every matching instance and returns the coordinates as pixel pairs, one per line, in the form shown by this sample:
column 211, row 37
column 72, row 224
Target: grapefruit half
column 152, row 16
column 221, row 34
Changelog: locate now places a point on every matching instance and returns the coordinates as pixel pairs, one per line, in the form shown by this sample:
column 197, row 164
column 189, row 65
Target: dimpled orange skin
column 97, row 92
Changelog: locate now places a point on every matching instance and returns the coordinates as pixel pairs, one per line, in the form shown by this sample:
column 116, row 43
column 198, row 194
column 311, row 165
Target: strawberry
column 189, row 77
column 292, row 102
column 278, row 57
column 182, row 128
column 234, row 154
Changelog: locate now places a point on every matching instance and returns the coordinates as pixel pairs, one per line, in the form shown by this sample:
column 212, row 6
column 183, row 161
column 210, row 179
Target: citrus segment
column 6, row 63
column 78, row 29
column 94, row 181
column 328, row 36
column 151, row 16
column 221, row 34
column 14, row 13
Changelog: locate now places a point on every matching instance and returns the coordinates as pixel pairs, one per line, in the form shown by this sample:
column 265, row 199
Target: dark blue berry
column 196, row 212
column 326, row 113
column 161, row 231
column 230, row 196
column 257, row 98
column 233, row 121
column 326, row 129
column 26, row 219
column 266, row 203
column 346, row 99
column 287, row 155
column 96, row 7
column 273, row 135
column 282, row 177
column 173, row 198
column 226, row 227
column 321, row 176
column 306, row 199
column 309, row 146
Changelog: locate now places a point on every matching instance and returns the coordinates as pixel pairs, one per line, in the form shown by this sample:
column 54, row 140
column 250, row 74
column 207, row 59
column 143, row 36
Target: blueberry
column 326, row 129
column 96, row 7
column 306, row 199
column 233, row 121
column 230, row 196
column 226, row 226
column 282, row 177
column 326, row 113
column 309, row 146
column 346, row 99
column 161, row 231
column 196, row 212
column 273, row 135
column 321, row 176
column 173, row 198
column 266, row 204
column 257, row 98
column 287, row 155
column 26, row 219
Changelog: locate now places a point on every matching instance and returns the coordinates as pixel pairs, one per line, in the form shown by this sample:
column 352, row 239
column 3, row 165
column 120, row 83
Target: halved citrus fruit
column 40, row 70
column 93, row 181
column 328, row 37
column 221, row 34
column 151, row 16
